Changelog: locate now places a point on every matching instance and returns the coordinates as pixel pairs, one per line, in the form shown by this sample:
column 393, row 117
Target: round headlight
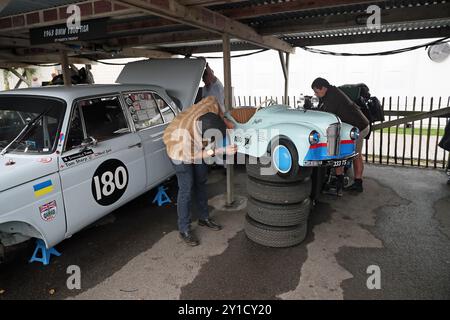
column 314, row 137
column 354, row 134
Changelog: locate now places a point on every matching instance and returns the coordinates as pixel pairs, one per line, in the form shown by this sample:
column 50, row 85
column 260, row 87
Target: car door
column 102, row 165
column 150, row 115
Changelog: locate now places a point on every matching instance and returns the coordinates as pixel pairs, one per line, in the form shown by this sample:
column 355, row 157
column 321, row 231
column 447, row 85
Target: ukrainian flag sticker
column 43, row 188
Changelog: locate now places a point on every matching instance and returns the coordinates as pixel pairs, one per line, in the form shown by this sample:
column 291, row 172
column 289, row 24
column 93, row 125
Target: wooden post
column 65, row 68
column 285, row 67
column 286, row 80
column 22, row 78
column 228, row 97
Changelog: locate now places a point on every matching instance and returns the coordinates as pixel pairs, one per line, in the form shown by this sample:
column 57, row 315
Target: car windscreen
column 30, row 124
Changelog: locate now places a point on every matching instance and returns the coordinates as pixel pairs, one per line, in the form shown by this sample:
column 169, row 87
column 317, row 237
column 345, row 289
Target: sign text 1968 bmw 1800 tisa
column 70, row 155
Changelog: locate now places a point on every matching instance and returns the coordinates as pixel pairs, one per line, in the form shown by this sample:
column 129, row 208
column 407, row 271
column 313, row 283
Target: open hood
column 179, row 77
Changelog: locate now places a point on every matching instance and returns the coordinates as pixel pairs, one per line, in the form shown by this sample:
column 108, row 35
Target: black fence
column 408, row 136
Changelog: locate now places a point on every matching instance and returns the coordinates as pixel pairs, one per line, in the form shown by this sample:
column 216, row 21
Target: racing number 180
column 107, row 184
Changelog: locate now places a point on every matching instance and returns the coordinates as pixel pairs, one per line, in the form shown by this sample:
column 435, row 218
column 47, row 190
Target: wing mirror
column 88, row 142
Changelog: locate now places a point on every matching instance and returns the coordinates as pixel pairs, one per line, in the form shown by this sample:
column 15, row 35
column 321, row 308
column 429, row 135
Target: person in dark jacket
column 335, row 101
column 445, row 144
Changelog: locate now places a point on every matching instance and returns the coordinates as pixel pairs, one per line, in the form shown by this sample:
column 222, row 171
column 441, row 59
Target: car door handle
column 135, row 145
column 159, row 134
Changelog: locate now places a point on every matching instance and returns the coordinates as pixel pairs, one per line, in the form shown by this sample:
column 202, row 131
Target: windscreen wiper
column 25, row 130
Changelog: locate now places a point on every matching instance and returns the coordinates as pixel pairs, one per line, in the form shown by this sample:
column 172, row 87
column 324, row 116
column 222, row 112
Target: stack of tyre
column 278, row 205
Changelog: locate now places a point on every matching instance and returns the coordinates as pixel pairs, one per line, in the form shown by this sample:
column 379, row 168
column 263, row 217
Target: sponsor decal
column 43, row 188
column 48, row 211
column 45, row 160
column 98, row 154
column 78, row 155
column 109, row 182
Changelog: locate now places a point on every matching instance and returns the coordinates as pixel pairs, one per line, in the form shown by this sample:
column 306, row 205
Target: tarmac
column 399, row 226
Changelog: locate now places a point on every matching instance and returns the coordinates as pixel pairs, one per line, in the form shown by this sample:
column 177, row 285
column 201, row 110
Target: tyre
column 285, row 193
column 277, row 237
column 279, row 215
column 256, row 166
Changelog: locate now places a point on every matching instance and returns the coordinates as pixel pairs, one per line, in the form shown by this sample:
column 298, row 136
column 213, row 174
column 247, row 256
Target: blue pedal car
column 293, row 138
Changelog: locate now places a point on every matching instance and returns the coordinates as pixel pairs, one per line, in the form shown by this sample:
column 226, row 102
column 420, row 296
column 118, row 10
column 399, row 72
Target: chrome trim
column 334, row 139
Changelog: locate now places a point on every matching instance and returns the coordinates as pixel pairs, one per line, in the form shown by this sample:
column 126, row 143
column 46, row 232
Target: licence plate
column 339, row 163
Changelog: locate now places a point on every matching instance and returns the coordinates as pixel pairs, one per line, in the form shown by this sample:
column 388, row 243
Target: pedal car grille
column 333, row 139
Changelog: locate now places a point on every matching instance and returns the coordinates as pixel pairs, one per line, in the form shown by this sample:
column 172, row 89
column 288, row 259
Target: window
column 165, row 109
column 75, row 135
column 103, row 118
column 143, row 110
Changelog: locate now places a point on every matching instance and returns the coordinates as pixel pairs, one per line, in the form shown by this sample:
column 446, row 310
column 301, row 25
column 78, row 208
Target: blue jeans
column 191, row 178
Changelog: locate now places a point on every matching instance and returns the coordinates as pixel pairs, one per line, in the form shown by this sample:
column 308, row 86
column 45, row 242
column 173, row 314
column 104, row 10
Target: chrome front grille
column 333, row 139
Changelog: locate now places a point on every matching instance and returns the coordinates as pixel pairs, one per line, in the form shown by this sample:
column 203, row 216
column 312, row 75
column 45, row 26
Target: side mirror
column 89, row 142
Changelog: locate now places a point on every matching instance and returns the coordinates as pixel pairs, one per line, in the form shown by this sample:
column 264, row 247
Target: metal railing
column 409, row 136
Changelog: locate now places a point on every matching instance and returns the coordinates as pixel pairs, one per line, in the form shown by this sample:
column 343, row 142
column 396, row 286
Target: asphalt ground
column 399, row 225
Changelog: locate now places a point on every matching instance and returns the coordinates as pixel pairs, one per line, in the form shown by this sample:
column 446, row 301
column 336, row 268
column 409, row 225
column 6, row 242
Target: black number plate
column 339, row 163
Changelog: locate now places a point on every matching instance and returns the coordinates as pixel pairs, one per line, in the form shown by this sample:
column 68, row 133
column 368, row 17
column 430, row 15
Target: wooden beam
column 416, row 117
column 22, row 57
column 24, row 73
column 246, row 12
column 206, row 2
column 8, row 65
column 208, row 20
column 65, row 68
column 21, row 77
column 137, row 53
column 165, row 38
column 282, row 28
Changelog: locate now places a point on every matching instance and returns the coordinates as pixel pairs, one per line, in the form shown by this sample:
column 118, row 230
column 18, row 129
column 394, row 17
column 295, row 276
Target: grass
column 433, row 132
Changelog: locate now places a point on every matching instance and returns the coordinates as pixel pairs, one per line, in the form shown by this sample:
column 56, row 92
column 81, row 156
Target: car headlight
column 354, row 134
column 314, row 137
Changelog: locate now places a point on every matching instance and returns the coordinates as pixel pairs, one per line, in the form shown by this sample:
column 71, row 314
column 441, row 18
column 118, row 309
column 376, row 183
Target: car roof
column 77, row 91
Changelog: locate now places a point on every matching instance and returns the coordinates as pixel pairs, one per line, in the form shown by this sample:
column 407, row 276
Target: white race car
column 70, row 155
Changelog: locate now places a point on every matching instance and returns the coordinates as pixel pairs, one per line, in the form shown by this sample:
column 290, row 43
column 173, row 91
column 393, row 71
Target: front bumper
column 318, row 155
column 338, row 162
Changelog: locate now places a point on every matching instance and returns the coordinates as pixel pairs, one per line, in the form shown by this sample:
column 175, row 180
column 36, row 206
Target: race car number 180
column 109, row 182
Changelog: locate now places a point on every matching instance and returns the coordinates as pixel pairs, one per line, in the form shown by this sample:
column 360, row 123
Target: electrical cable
column 236, row 56
column 108, row 63
column 383, row 53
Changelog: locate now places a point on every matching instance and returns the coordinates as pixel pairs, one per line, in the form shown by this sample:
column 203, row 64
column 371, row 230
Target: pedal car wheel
column 277, row 237
column 284, row 157
column 278, row 193
column 279, row 214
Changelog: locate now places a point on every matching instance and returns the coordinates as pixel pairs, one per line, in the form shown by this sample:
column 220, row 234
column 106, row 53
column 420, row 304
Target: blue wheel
column 285, row 159
column 282, row 159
